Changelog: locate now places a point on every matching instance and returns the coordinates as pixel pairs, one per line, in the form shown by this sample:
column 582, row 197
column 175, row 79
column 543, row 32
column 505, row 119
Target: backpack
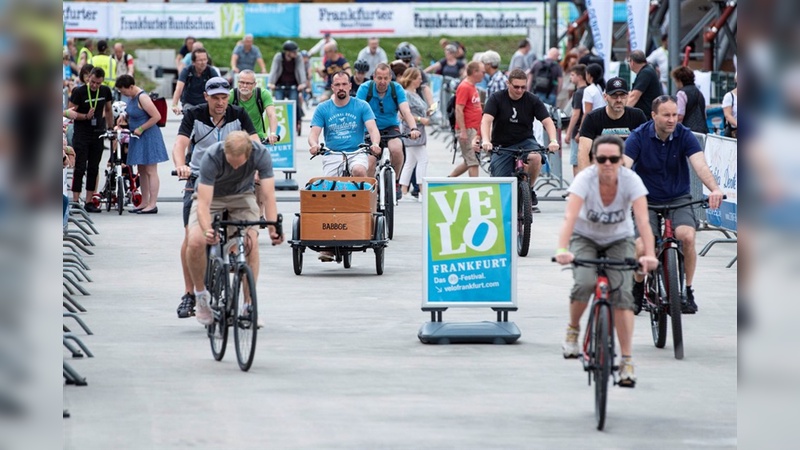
column 259, row 104
column 391, row 88
column 451, row 112
column 544, row 79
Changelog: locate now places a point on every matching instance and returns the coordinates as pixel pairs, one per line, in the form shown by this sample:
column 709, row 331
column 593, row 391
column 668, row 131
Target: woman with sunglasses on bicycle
column 598, row 219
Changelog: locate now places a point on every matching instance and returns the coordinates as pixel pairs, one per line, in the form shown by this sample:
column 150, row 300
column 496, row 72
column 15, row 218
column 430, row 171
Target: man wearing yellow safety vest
column 105, row 62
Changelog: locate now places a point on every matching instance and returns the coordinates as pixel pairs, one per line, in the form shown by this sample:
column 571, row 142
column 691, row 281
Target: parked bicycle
column 665, row 288
column 524, row 201
column 598, row 341
column 230, row 281
column 116, row 188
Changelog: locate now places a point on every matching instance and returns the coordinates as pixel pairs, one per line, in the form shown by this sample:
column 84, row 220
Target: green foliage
column 220, row 49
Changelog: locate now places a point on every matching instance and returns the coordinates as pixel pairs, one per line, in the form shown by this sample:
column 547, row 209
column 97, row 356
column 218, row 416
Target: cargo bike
column 339, row 215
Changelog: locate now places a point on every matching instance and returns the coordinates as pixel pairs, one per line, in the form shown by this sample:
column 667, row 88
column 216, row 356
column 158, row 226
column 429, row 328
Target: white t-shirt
column 730, row 100
column 600, row 223
column 593, row 94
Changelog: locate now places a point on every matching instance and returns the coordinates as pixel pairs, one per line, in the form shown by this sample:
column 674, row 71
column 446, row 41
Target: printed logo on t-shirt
column 342, row 125
column 606, row 218
column 513, row 118
column 621, row 132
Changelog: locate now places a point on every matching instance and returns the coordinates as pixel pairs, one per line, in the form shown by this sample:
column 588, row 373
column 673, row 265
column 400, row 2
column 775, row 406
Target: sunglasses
column 380, row 105
column 602, row 159
column 221, row 84
column 513, row 86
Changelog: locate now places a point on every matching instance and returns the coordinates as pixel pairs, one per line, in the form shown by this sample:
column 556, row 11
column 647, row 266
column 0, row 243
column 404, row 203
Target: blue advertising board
column 469, row 242
column 276, row 19
column 283, row 151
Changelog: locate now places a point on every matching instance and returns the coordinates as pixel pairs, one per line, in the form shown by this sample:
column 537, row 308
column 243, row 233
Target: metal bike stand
column 287, row 184
column 72, row 376
column 499, row 332
column 80, row 321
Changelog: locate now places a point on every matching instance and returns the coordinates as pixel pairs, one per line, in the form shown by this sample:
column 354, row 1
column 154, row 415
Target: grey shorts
column 585, row 277
column 573, row 151
column 470, row 159
column 188, row 191
column 682, row 216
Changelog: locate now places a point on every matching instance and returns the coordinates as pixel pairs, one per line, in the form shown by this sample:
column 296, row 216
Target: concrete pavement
column 339, row 364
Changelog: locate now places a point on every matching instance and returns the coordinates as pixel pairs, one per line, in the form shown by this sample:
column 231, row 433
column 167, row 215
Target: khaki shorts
column 239, row 206
column 585, row 277
column 470, row 159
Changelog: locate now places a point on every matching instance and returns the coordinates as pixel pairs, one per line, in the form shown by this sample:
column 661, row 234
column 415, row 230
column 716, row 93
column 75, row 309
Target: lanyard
column 96, row 98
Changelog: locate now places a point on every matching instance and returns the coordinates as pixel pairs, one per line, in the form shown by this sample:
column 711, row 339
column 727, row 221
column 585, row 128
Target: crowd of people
column 629, row 145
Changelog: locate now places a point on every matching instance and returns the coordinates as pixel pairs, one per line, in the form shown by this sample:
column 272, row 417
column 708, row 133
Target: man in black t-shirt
column 647, row 86
column 615, row 118
column 91, row 104
column 508, row 118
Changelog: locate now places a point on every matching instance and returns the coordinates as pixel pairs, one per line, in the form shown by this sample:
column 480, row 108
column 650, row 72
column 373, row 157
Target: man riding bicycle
column 387, row 98
column 660, row 152
column 226, row 182
column 508, row 118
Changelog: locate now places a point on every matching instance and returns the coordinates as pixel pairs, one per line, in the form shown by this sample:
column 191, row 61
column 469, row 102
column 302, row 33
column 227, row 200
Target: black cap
column 615, row 85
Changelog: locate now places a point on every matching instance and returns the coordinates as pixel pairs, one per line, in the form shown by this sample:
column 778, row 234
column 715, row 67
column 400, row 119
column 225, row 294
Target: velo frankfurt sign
column 469, row 242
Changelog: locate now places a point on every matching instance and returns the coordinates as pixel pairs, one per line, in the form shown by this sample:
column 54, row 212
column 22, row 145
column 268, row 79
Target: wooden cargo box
column 339, row 201
column 336, row 226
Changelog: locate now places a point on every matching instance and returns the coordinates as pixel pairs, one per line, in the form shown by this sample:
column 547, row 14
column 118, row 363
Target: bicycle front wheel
column 672, row 283
column 654, row 294
column 120, row 195
column 245, row 318
column 524, row 218
column 388, row 202
column 218, row 287
column 603, row 361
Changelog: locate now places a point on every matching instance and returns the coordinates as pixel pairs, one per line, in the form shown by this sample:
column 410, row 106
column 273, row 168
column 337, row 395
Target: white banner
column 86, row 19
column 148, row 20
column 353, row 19
column 601, row 18
column 638, row 15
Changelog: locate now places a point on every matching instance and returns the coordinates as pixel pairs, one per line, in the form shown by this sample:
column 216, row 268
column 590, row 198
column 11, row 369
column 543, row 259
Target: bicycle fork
column 382, row 174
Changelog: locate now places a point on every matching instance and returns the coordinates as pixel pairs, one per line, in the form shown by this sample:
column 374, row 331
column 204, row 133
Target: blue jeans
column 502, row 164
column 549, row 99
column 287, row 93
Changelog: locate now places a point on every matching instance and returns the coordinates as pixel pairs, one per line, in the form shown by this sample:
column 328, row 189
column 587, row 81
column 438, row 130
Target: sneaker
column 688, row 306
column 186, row 308
column 638, row 296
column 407, row 199
column 203, row 313
column 326, row 256
column 534, row 198
column 398, row 192
column 89, row 207
column 570, row 344
column 626, row 376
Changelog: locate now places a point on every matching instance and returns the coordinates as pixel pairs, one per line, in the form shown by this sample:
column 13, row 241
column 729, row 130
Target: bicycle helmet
column 118, row 108
column 403, row 52
column 361, row 65
column 290, row 46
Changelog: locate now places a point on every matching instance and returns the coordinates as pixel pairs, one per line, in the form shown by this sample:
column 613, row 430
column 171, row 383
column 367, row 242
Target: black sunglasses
column 380, row 105
column 221, row 84
column 602, row 159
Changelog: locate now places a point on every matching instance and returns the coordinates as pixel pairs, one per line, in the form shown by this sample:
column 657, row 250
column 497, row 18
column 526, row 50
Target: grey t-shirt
column 247, row 60
column 215, row 170
column 600, row 223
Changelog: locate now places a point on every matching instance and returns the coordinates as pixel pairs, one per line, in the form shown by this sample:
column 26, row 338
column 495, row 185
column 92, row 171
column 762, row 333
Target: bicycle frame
column 602, row 291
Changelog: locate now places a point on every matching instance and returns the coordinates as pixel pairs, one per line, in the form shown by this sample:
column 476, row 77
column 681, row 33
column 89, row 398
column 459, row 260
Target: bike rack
column 500, row 331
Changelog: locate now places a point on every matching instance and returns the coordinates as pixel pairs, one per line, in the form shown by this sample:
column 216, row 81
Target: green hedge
column 220, row 49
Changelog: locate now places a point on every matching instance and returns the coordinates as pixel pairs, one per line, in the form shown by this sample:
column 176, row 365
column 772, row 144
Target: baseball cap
column 217, row 85
column 615, row 85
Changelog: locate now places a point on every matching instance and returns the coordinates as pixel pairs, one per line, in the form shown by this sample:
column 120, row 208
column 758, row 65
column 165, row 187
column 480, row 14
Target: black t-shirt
column 195, row 85
column 597, row 123
column 513, row 119
column 577, row 105
column 453, row 71
column 287, row 77
column 647, row 82
column 80, row 98
column 354, row 85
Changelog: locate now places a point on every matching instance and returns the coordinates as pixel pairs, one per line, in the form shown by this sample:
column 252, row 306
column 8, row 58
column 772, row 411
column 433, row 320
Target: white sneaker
column 570, row 345
column 203, row 312
column 626, row 376
column 408, row 198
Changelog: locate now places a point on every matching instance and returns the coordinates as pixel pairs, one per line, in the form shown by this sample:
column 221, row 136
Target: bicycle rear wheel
column 658, row 317
column 245, row 318
column 672, row 283
column 388, row 199
column 120, row 195
column 603, row 360
column 524, row 218
column 218, row 330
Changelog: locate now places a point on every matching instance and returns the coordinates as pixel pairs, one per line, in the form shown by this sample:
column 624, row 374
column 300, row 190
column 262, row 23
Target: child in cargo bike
column 345, row 120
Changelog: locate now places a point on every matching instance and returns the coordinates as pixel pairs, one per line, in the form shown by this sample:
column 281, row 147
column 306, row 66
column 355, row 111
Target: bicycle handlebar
column 113, row 133
column 664, row 208
column 614, row 264
column 362, row 148
column 518, row 151
column 278, row 224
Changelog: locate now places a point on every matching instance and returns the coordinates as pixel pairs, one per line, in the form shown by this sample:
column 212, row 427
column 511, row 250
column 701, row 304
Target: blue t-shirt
column 663, row 166
column 344, row 127
column 387, row 118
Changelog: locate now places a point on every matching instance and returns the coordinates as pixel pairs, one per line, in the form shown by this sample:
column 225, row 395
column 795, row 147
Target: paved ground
column 339, row 364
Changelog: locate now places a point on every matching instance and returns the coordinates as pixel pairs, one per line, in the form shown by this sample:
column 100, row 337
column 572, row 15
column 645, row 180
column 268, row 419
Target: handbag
column 729, row 131
column 161, row 106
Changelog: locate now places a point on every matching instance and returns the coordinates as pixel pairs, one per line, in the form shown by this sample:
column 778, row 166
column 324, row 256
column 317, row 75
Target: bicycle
column 114, row 191
column 387, row 181
column 524, row 201
column 664, row 289
column 598, row 340
column 233, row 290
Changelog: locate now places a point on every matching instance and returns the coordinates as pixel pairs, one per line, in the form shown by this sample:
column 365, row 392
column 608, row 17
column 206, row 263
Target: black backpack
column 544, row 80
column 451, row 112
column 259, row 104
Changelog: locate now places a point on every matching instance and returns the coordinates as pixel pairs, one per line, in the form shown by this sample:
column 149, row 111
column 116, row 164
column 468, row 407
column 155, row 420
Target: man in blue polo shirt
column 387, row 98
column 660, row 152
